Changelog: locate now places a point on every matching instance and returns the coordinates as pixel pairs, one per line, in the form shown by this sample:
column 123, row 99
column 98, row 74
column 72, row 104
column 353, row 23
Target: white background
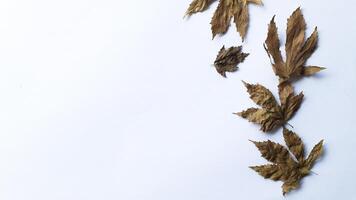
column 104, row 99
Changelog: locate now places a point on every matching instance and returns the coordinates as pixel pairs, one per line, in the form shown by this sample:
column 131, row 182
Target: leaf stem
column 290, row 125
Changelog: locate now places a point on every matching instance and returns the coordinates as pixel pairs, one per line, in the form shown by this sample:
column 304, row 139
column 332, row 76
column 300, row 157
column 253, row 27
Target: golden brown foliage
column 198, row 6
column 298, row 50
column 226, row 10
column 228, row 59
column 285, row 168
column 271, row 115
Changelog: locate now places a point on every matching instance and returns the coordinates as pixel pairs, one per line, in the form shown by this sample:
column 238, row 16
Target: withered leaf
column 271, row 115
column 198, row 6
column 289, row 101
column 298, row 50
column 228, row 59
column 226, row 10
column 284, row 167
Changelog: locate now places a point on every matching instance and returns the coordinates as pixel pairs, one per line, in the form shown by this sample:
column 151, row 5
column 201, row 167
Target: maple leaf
column 285, row 168
column 226, row 10
column 298, row 50
column 228, row 59
column 271, row 115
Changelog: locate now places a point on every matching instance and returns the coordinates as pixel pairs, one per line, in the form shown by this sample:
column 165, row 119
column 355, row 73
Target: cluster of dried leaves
column 228, row 59
column 298, row 50
column 288, row 164
column 273, row 115
column 285, row 167
column 226, row 10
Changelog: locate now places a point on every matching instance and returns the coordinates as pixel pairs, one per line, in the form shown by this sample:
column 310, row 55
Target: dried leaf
column 222, row 16
column 298, row 50
column 241, row 19
column 274, row 152
column 290, row 102
column 262, row 97
column 294, row 144
column 228, row 59
column 311, row 70
column 266, row 119
column 226, row 10
column 284, row 167
column 271, row 115
column 257, row 2
column 314, row 154
column 271, row 171
column 198, row 6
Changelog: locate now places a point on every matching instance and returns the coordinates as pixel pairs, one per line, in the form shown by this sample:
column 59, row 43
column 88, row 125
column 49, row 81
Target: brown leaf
column 274, row 152
column 271, row 171
column 292, row 105
column 257, row 2
column 298, row 50
column 222, row 16
column 285, row 90
column 284, row 168
column 311, row 70
column 290, row 185
column 255, row 115
column 314, row 154
column 271, row 115
column 294, row 143
column 228, row 59
column 272, row 45
column 228, row 9
column 262, row 96
column 290, row 102
column 241, row 19
column 198, row 6
column 266, row 119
